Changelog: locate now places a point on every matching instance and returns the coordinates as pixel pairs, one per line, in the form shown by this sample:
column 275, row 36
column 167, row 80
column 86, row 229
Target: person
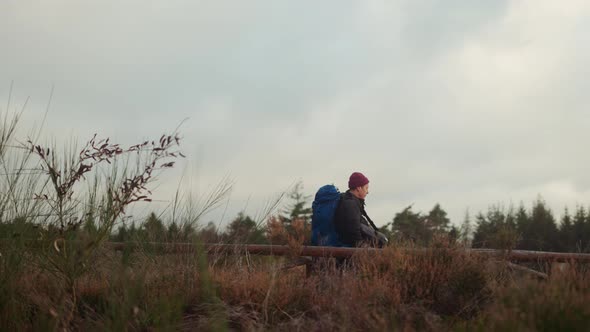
column 351, row 221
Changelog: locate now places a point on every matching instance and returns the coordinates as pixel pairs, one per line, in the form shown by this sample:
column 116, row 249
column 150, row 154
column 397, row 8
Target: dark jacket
column 348, row 218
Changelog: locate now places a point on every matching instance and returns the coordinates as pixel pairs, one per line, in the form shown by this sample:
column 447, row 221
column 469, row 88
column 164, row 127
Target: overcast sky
column 463, row 103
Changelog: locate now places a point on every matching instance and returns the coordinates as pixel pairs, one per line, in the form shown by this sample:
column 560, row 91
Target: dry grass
column 443, row 289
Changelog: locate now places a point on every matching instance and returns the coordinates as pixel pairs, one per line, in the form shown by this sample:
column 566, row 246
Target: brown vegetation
column 442, row 289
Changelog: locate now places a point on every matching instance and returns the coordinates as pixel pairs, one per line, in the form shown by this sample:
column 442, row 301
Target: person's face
column 362, row 192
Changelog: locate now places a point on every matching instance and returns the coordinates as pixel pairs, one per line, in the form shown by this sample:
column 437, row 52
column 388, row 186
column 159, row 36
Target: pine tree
column 567, row 235
column 132, row 232
column 522, row 220
column 299, row 208
column 511, row 218
column 454, row 234
column 188, row 232
column 466, row 230
column 482, row 232
column 209, row 233
column 580, row 223
column 540, row 233
column 420, row 229
column 495, row 229
column 122, row 234
column 437, row 220
column 411, row 226
column 244, row 229
column 173, row 232
column 89, row 226
column 154, row 229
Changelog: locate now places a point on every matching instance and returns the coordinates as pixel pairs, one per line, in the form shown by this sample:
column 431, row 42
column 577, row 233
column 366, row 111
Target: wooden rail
column 316, row 251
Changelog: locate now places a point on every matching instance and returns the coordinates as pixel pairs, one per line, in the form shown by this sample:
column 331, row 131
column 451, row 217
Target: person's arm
column 348, row 222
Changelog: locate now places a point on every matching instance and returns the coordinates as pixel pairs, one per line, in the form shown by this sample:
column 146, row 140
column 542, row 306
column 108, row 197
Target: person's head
column 358, row 185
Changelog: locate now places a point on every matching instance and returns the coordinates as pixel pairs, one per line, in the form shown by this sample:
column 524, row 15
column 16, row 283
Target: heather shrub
column 413, row 289
column 559, row 304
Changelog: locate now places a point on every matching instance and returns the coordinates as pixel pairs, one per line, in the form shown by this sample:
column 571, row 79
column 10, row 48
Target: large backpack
column 323, row 232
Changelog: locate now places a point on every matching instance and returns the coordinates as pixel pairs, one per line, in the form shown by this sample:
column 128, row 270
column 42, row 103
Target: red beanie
column 356, row 180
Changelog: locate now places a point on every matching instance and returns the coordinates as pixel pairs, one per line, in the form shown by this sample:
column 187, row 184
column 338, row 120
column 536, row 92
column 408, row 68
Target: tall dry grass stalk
column 18, row 180
column 47, row 196
column 66, row 253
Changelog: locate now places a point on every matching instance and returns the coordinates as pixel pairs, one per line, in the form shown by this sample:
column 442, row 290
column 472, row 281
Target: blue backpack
column 323, row 232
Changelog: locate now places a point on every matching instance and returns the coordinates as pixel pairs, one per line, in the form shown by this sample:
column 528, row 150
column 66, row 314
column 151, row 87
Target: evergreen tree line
column 534, row 229
column 498, row 227
column 292, row 222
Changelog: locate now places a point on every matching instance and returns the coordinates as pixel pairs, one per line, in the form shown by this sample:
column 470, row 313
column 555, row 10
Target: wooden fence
column 316, row 251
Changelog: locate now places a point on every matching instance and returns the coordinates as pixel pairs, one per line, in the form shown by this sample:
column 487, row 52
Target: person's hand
column 383, row 240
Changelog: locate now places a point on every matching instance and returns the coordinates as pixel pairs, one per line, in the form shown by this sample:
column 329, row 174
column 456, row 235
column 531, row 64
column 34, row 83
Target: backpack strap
column 363, row 212
column 370, row 221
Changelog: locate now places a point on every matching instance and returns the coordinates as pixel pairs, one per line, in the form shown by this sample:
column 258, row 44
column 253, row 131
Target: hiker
column 353, row 225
